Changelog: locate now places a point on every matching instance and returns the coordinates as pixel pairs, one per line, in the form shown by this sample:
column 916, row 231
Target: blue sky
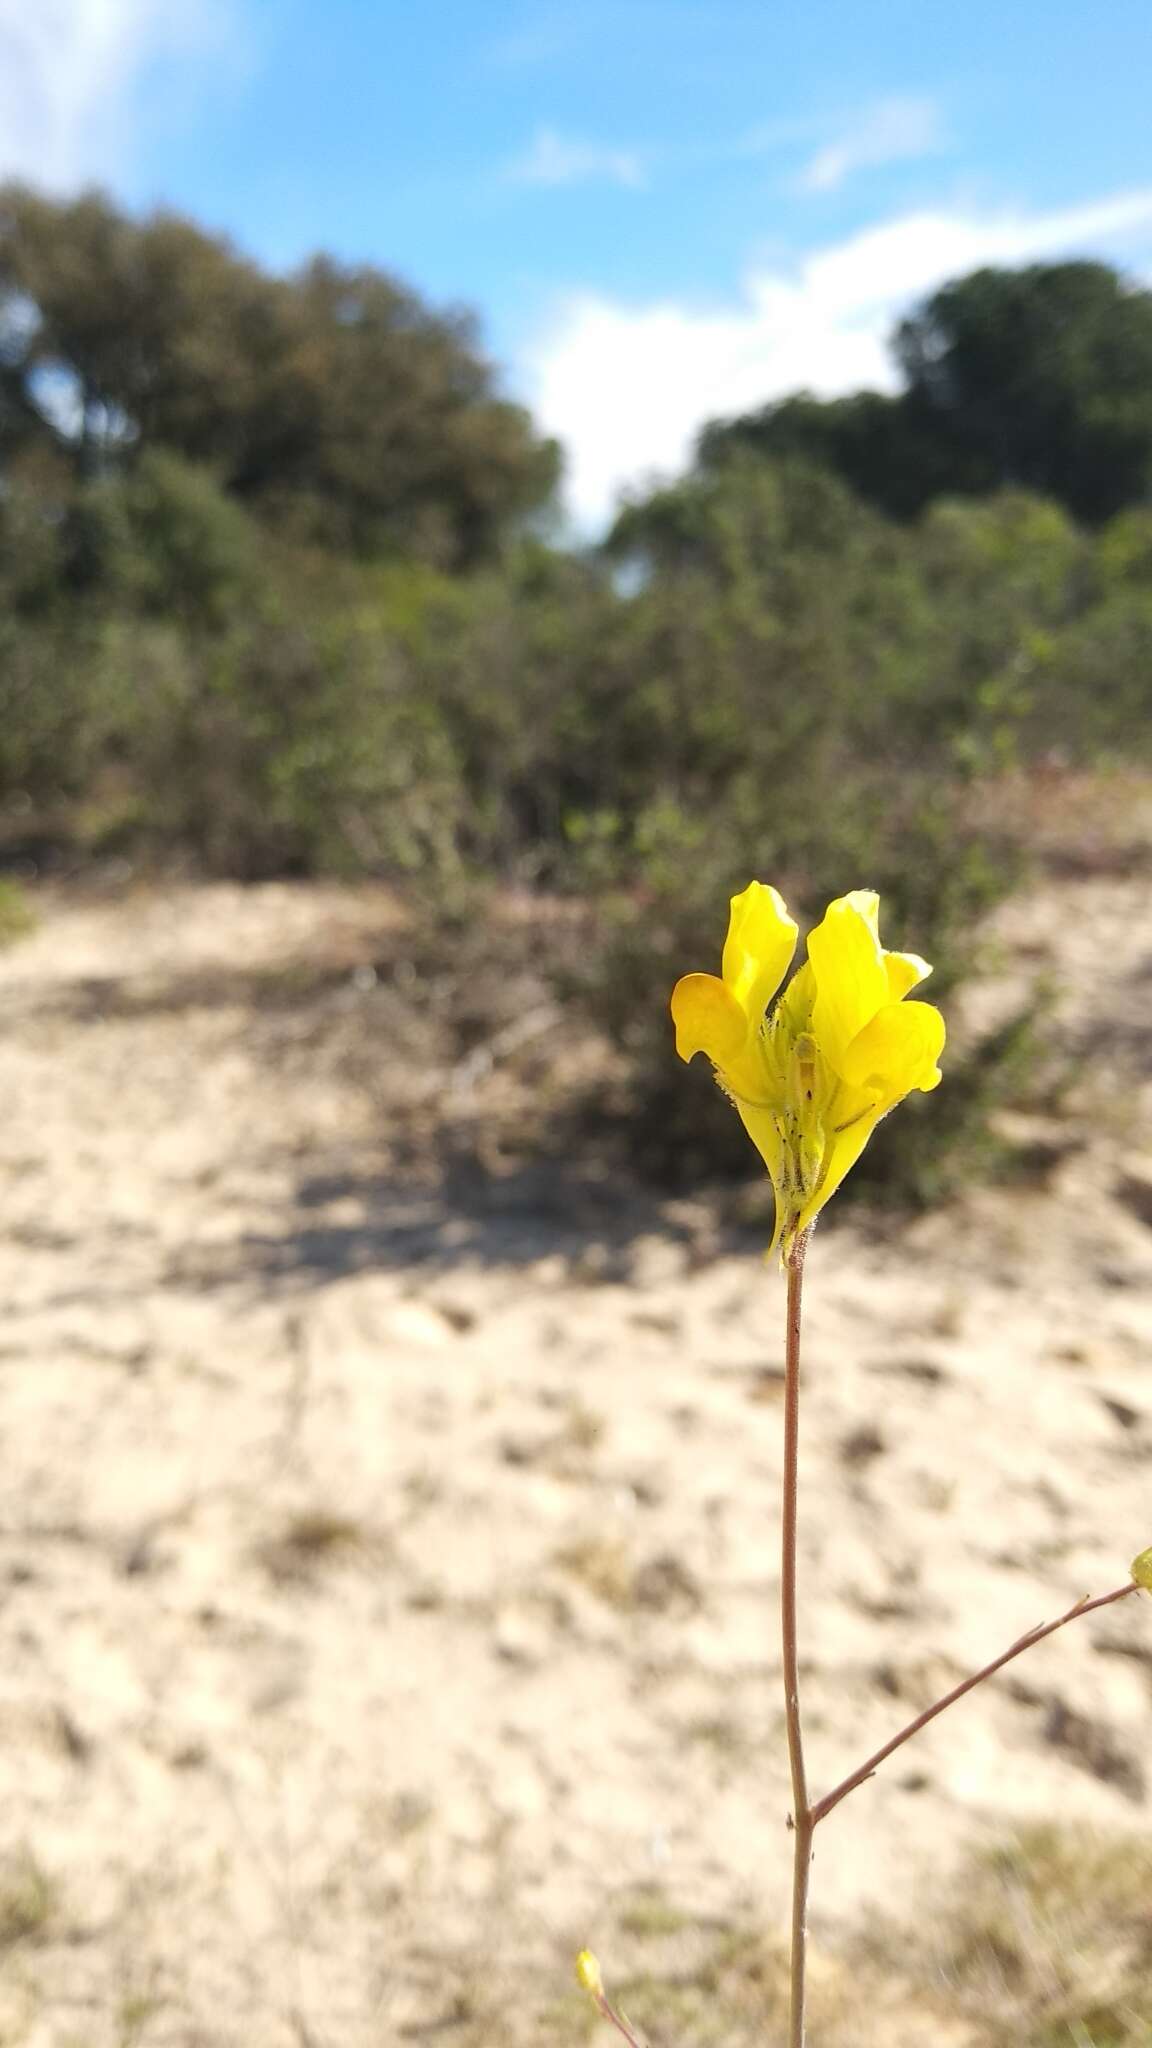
column 660, row 209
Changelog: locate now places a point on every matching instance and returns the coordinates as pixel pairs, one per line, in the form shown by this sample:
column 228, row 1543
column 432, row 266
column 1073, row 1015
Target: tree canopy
column 333, row 402
column 1037, row 379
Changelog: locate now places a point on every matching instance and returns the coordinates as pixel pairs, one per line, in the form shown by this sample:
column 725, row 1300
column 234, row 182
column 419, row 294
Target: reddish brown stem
column 824, row 1806
column 802, row 1819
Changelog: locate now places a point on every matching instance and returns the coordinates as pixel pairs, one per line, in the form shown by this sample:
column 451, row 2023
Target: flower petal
column 904, row 971
column 896, row 1051
column 761, row 941
column 844, row 1150
column 866, row 904
column 851, row 984
column 764, row 1131
column 708, row 1019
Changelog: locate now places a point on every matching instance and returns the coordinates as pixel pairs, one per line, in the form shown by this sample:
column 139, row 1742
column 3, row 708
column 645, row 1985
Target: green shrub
column 758, row 676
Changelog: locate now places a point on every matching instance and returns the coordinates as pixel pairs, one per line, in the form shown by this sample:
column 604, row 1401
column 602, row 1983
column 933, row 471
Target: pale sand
column 388, row 1588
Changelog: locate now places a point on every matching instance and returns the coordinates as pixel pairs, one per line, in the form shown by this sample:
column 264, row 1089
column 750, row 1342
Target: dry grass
column 28, row 1899
column 1044, row 1943
column 603, row 1565
column 1047, row 1943
column 314, row 1539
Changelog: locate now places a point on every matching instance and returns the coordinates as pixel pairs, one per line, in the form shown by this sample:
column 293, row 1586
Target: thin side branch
column 824, row 1806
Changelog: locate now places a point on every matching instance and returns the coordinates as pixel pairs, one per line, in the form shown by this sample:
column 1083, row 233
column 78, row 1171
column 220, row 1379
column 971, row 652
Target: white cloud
column 565, row 160
column 892, row 131
column 627, row 388
column 68, row 69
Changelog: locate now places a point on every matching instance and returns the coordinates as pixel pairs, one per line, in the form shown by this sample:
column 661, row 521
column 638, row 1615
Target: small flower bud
column 588, row 1974
column 1141, row 1570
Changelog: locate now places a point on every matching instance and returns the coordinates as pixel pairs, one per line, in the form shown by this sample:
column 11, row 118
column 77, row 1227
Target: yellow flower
column 588, row 1974
column 840, row 1048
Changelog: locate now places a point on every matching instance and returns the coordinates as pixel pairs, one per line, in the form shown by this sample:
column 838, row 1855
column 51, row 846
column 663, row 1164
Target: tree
column 383, row 431
column 882, row 448
column 333, row 401
column 1037, row 379
column 1045, row 375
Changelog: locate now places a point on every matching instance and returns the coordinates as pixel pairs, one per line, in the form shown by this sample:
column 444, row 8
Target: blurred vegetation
column 1048, row 1941
column 1043, row 1941
column 277, row 597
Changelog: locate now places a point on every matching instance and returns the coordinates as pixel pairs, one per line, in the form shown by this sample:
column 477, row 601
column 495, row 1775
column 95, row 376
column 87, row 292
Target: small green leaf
column 1141, row 1569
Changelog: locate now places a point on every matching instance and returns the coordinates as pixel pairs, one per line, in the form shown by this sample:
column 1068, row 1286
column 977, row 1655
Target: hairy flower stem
column 869, row 1768
column 802, row 1820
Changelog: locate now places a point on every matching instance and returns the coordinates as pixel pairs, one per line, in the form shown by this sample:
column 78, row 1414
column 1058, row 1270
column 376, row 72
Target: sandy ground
column 388, row 1580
